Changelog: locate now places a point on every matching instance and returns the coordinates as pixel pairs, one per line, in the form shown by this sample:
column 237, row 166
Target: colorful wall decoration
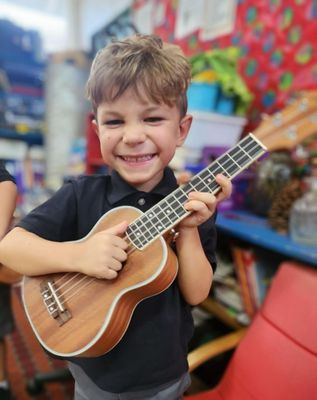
column 277, row 41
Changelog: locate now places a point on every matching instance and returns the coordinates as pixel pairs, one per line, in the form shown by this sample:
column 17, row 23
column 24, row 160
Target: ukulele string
column 130, row 250
column 86, row 280
column 79, row 289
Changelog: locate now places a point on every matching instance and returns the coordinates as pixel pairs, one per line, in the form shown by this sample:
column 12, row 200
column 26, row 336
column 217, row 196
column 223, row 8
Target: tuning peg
column 313, row 118
column 303, row 105
column 291, row 132
column 277, row 119
column 265, row 116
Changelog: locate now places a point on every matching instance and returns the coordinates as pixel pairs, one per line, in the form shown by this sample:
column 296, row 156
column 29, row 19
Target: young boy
column 137, row 88
column 8, row 194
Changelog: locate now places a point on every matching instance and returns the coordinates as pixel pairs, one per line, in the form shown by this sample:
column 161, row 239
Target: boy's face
column 138, row 138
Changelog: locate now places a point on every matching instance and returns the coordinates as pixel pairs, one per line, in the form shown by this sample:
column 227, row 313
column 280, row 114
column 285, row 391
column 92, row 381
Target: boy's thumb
column 118, row 229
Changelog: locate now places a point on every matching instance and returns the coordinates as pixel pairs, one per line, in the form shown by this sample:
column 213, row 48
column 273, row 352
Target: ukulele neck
column 170, row 211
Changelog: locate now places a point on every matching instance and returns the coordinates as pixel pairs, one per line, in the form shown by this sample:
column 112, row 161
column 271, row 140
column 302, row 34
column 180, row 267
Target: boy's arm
column 30, row 254
column 195, row 272
column 100, row 255
column 8, row 195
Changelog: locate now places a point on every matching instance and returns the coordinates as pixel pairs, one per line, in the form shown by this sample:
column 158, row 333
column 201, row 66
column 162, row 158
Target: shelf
column 215, row 308
column 256, row 230
column 31, row 138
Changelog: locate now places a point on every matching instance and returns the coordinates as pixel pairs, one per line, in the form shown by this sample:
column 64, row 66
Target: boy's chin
column 142, row 181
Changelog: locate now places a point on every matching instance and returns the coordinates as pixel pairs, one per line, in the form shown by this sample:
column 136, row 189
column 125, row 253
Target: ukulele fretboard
column 170, row 211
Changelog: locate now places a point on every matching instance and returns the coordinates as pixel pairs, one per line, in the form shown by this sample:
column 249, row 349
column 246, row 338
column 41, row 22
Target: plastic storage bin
column 226, row 104
column 214, row 129
column 203, row 96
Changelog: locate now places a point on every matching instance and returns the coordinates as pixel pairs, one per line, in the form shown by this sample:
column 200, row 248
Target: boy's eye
column 153, row 119
column 113, row 122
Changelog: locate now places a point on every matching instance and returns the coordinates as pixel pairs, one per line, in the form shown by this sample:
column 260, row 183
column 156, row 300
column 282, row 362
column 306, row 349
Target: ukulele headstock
column 290, row 126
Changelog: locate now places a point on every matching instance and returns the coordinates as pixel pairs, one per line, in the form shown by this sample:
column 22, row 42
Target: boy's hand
column 102, row 254
column 203, row 205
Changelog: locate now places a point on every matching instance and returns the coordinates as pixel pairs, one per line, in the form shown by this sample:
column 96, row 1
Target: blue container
column 203, row 96
column 225, row 104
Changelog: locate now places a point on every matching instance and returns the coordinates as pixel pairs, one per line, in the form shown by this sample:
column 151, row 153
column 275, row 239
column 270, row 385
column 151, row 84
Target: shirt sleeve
column 56, row 219
column 4, row 174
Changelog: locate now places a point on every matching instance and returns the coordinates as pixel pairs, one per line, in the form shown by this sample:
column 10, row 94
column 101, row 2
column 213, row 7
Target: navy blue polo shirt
column 4, row 174
column 6, row 317
column 153, row 351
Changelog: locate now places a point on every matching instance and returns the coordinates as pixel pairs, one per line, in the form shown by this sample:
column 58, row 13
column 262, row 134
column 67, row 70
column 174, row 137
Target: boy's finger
column 226, row 186
column 118, row 229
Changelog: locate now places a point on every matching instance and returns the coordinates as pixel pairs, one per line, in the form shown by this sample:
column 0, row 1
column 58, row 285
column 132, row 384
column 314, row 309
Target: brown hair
column 140, row 61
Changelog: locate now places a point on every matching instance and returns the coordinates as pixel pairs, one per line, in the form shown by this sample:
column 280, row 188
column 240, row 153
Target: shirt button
column 141, row 201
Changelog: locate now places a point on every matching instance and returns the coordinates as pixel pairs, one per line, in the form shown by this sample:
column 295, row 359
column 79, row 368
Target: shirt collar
column 120, row 188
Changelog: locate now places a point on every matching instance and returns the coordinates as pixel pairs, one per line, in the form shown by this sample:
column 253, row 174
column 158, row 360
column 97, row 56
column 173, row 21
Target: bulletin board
column 277, row 42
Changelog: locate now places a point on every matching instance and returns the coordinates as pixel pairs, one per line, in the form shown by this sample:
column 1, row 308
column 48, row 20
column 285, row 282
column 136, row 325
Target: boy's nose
column 133, row 135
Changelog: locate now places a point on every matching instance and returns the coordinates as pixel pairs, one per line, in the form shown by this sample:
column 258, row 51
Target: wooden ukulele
column 76, row 315
column 9, row 276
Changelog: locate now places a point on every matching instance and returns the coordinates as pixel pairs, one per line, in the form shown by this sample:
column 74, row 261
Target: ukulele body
column 9, row 276
column 76, row 315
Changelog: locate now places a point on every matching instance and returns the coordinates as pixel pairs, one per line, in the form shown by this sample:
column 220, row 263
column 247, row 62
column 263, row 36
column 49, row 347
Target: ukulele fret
column 238, row 156
column 148, row 226
column 142, row 231
column 179, row 197
column 201, row 185
column 166, row 207
column 218, row 169
column 158, row 219
column 227, row 164
column 209, row 179
column 163, row 215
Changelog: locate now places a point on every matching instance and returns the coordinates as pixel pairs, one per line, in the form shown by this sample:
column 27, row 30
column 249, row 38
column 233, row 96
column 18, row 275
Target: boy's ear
column 95, row 126
column 184, row 128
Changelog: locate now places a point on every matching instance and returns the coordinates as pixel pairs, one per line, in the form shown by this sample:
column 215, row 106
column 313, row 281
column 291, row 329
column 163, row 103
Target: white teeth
column 146, row 157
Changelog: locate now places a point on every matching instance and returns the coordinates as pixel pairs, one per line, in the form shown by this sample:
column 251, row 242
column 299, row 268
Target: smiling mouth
column 137, row 159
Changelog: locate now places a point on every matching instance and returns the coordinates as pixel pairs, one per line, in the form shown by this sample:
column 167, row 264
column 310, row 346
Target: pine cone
column 279, row 212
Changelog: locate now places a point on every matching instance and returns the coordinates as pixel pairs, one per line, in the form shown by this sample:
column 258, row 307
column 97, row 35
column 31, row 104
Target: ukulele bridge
column 54, row 302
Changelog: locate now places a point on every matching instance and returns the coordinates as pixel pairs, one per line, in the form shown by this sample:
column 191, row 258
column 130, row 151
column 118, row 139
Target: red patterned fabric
column 277, row 40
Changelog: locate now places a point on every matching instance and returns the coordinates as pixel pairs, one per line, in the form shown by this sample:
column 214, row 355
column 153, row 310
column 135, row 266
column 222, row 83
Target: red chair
column 277, row 357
